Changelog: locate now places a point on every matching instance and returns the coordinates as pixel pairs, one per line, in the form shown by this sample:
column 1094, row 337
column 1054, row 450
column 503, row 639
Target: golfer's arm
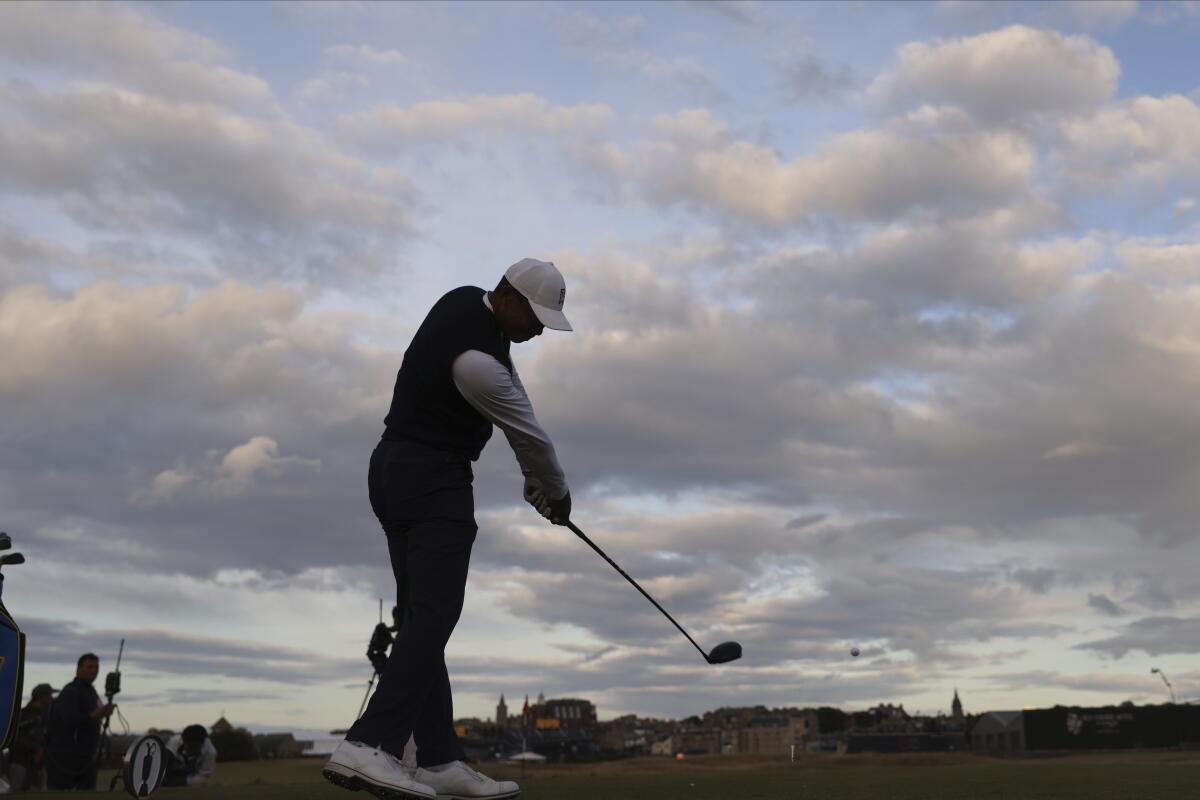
column 500, row 397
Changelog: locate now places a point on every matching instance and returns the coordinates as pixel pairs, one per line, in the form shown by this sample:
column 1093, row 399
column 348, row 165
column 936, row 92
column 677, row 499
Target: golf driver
column 722, row 653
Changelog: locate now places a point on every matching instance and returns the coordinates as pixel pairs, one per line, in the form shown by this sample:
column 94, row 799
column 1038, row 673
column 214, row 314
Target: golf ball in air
column 854, row 651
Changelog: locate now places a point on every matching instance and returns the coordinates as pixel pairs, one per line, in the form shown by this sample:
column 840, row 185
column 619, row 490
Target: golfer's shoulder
column 460, row 295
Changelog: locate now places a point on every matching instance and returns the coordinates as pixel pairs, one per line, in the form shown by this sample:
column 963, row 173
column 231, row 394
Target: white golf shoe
column 355, row 766
column 457, row 781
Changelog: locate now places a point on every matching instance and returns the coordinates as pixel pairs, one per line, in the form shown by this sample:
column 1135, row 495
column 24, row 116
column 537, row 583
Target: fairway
column 1150, row 776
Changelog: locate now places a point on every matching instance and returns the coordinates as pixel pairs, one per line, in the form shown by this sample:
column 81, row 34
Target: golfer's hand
column 560, row 510
column 537, row 498
column 557, row 511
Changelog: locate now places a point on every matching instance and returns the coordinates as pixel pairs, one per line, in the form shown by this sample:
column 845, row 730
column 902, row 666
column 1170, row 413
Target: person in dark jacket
column 27, row 755
column 75, row 729
column 456, row 383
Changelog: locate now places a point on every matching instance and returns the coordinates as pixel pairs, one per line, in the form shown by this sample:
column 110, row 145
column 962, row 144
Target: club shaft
column 646, row 594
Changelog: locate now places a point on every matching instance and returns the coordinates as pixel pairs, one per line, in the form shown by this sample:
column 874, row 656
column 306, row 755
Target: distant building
column 692, row 741
column 221, row 726
column 777, row 735
column 569, row 712
column 999, row 733
column 737, row 731
column 502, row 714
column 631, row 734
column 956, row 709
column 883, row 718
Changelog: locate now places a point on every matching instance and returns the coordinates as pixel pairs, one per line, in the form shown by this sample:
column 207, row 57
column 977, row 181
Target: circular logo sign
column 145, row 766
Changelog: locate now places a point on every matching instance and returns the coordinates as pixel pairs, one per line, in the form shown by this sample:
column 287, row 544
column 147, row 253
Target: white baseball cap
column 543, row 286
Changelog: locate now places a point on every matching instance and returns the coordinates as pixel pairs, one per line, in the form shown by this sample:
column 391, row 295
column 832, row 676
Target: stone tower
column 956, row 712
column 502, row 713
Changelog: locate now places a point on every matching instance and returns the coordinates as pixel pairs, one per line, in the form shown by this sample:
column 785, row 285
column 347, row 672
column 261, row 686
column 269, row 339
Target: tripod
column 112, row 687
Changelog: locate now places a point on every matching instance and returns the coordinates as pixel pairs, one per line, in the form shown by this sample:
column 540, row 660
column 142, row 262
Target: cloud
column 1104, row 604
column 1103, row 14
column 1037, row 580
column 349, row 71
column 222, row 404
column 181, row 654
column 1141, row 142
column 1152, row 635
column 366, row 54
column 1087, row 15
column 1003, row 77
column 26, row 258
column 890, row 381
column 124, row 44
column 386, row 129
column 1166, row 13
column 743, row 12
column 1106, row 15
column 693, row 160
column 807, row 76
column 615, row 45
column 271, row 198
column 1162, row 264
column 226, row 477
column 923, row 266
column 1102, row 682
column 330, row 85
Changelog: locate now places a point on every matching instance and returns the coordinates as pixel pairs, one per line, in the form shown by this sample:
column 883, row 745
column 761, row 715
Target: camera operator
column 194, row 757
column 75, row 729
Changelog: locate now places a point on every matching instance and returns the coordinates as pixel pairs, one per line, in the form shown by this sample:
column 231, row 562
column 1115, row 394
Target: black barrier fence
column 1112, row 727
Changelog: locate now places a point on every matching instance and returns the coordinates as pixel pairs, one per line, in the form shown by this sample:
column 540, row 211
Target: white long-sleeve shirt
column 208, row 759
column 500, row 397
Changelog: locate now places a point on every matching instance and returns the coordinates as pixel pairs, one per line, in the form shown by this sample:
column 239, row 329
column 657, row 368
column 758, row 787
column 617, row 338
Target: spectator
column 27, row 756
column 74, row 729
column 193, row 757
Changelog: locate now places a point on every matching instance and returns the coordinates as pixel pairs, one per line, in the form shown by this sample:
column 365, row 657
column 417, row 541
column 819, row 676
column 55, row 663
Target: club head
column 725, row 652
column 5, row 541
column 12, row 558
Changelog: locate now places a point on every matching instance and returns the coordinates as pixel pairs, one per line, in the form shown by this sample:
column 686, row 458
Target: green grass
column 1133, row 776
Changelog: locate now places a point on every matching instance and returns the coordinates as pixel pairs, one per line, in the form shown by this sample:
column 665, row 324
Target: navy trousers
column 423, row 499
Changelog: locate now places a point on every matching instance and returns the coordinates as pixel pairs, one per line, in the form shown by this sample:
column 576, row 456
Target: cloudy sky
column 887, row 325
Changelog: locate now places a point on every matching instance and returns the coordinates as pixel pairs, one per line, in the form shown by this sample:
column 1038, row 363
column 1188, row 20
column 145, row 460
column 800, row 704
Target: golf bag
column 12, row 660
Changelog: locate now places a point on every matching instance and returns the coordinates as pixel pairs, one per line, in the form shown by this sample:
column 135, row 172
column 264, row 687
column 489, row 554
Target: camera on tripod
column 377, row 650
column 381, row 640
